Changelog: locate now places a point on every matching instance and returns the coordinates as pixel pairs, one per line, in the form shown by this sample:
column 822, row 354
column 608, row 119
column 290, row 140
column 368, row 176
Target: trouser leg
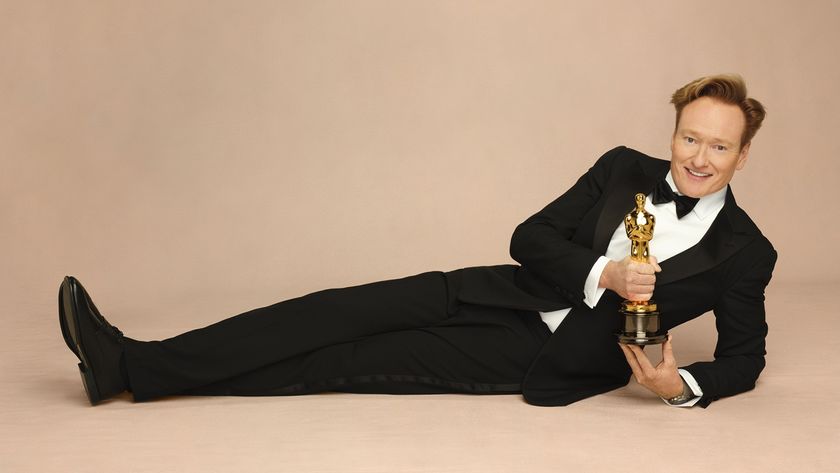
column 479, row 350
column 263, row 336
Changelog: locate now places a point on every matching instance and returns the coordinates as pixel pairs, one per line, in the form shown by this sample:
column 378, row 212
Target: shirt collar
column 707, row 205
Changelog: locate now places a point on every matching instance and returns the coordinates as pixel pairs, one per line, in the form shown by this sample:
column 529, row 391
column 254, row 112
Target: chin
column 688, row 190
column 694, row 191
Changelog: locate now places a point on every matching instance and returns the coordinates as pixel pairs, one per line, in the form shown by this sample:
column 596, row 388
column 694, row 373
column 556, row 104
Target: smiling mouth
column 697, row 174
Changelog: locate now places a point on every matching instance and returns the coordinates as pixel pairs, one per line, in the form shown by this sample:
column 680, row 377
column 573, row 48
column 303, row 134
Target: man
column 545, row 328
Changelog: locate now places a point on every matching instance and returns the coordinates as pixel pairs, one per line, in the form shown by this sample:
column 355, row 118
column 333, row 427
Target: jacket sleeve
column 740, row 321
column 543, row 243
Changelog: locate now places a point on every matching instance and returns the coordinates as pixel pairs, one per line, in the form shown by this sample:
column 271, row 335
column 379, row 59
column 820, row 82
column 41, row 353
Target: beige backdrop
column 193, row 147
column 188, row 160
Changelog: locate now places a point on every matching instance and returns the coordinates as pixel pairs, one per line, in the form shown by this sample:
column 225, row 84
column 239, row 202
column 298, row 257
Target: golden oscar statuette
column 641, row 318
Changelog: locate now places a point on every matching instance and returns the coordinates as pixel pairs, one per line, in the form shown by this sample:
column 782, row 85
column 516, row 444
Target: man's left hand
column 663, row 379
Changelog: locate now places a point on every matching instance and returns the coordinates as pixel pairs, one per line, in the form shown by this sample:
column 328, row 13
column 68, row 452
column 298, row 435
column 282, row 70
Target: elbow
column 749, row 371
column 758, row 365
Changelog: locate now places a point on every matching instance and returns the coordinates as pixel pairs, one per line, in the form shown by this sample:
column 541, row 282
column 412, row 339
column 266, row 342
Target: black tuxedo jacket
column 726, row 272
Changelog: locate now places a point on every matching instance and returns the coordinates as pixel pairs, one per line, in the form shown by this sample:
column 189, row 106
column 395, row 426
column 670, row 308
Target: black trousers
column 393, row 336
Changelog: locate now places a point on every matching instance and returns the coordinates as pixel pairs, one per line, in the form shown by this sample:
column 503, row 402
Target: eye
column 689, row 140
column 719, row 148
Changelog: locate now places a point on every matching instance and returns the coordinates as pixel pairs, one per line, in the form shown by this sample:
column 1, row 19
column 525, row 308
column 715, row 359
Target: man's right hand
column 629, row 279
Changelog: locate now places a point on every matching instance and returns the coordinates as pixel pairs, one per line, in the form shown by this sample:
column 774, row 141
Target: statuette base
column 641, row 324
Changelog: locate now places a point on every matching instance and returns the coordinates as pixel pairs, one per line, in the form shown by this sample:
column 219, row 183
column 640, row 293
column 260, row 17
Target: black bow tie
column 662, row 193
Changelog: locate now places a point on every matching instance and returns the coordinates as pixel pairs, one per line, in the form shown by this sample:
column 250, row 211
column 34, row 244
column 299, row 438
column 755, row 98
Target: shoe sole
column 69, row 313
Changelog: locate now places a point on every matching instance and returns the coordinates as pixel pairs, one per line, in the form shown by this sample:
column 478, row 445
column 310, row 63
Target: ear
column 742, row 156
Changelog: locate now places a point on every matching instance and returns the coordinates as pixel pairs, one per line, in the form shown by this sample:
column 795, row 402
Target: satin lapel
column 620, row 200
column 725, row 237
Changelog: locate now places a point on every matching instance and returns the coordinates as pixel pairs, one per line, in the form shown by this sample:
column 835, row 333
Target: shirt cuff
column 692, row 384
column 591, row 292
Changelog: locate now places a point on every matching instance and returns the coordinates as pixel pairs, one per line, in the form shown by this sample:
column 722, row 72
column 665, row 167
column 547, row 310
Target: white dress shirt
column 671, row 237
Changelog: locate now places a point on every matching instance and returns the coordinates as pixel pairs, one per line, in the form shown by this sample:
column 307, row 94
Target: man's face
column 706, row 147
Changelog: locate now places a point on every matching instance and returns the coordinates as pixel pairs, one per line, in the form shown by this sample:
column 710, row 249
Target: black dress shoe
column 97, row 344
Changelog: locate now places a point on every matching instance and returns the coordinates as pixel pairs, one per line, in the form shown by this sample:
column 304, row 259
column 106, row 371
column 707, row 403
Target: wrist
column 604, row 280
column 684, row 395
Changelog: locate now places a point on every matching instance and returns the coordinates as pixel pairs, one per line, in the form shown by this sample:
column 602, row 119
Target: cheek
column 727, row 169
column 682, row 153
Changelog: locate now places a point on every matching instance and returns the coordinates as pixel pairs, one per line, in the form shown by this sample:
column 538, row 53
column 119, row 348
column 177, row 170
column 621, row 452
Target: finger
column 642, row 268
column 631, row 360
column 640, row 297
column 655, row 262
column 668, row 352
column 643, row 279
column 646, row 292
column 641, row 289
column 631, row 357
column 636, row 289
column 644, row 363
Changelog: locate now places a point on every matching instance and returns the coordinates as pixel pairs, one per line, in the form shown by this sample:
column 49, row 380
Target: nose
column 700, row 158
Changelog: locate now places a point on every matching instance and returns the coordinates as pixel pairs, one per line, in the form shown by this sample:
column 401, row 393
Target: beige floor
column 789, row 423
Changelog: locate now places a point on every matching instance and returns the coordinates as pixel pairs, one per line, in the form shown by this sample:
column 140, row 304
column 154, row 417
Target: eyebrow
column 697, row 133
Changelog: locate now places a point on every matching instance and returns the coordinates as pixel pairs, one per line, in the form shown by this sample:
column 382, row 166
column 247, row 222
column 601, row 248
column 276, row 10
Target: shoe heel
column 90, row 385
